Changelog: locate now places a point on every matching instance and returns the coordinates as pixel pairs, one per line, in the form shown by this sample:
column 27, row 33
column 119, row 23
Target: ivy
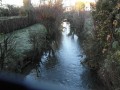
column 115, row 45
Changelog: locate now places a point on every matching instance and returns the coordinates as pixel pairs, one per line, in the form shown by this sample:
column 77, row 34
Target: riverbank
column 64, row 69
column 22, row 46
column 87, row 36
column 101, row 59
column 87, row 39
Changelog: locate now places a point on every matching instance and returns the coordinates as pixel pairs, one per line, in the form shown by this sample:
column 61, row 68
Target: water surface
column 65, row 69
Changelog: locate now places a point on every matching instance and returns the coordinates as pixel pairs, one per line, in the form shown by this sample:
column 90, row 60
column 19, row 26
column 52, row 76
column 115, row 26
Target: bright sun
column 72, row 2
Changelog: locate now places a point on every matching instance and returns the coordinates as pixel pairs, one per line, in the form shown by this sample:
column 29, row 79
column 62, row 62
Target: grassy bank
column 22, row 46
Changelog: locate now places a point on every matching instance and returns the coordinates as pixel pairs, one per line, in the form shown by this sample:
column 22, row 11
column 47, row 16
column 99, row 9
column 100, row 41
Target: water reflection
column 51, row 62
column 38, row 71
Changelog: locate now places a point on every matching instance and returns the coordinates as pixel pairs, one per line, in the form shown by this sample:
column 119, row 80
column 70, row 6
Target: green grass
column 22, row 38
column 22, row 43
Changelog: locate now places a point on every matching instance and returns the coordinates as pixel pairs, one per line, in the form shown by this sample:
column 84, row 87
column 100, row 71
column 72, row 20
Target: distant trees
column 27, row 5
column 76, row 17
column 80, row 6
column 13, row 11
column 76, row 20
column 28, row 10
column 9, row 10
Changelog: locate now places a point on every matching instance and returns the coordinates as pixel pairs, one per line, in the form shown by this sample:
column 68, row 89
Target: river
column 65, row 69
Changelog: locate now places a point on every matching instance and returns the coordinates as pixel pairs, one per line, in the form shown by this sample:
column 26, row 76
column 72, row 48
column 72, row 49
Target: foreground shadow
column 91, row 80
column 51, row 62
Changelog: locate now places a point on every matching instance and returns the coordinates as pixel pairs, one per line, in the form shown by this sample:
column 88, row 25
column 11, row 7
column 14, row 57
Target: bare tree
column 7, row 45
column 37, row 39
column 50, row 16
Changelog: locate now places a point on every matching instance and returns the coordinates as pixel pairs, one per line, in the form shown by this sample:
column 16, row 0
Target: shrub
column 50, row 15
column 77, row 21
column 106, row 21
column 7, row 46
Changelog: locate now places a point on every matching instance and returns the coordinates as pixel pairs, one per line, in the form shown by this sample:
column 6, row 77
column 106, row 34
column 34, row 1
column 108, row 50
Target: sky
column 35, row 2
column 15, row 2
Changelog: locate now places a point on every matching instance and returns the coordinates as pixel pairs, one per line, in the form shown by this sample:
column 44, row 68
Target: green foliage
column 107, row 32
column 106, row 19
column 115, row 45
column 117, row 30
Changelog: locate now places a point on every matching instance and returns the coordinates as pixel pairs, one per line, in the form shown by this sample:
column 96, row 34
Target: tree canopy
column 79, row 5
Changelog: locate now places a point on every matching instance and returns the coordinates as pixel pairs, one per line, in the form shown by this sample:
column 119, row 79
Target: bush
column 76, row 20
column 50, row 15
column 106, row 21
column 7, row 46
